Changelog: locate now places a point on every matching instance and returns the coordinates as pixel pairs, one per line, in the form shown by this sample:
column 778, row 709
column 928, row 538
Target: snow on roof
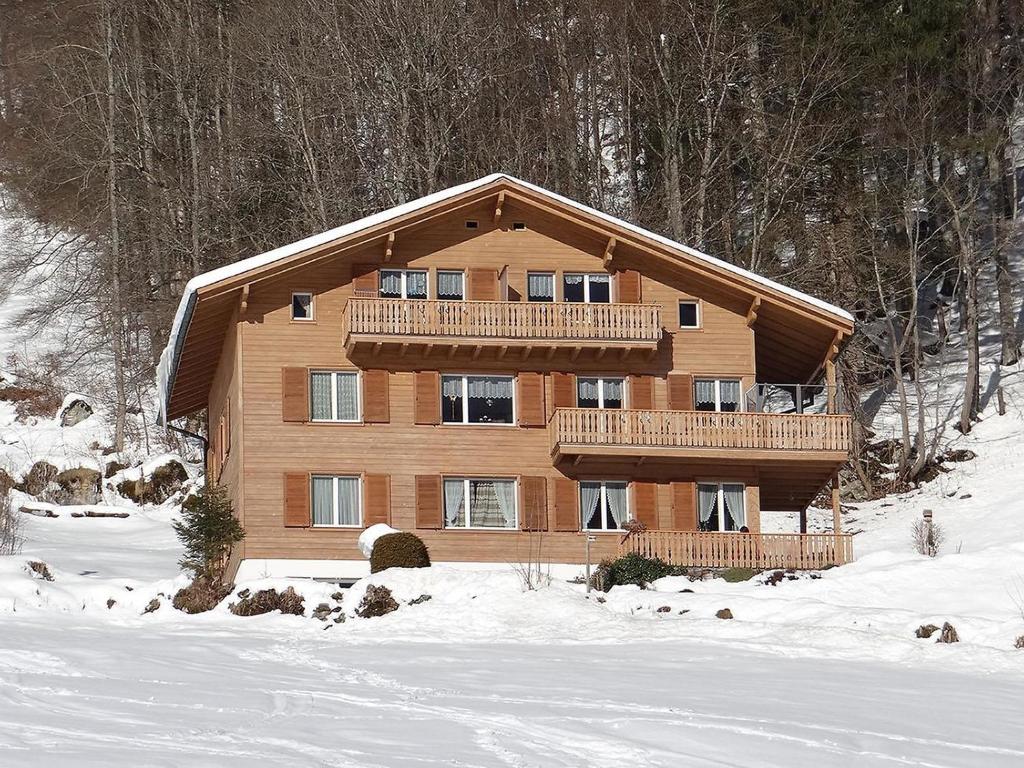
column 169, row 357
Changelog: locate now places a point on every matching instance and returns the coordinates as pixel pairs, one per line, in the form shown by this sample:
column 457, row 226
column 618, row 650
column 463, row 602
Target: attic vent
column 518, row 226
column 472, row 224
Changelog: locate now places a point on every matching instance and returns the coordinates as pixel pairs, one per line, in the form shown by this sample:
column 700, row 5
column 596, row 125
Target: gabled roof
column 233, row 276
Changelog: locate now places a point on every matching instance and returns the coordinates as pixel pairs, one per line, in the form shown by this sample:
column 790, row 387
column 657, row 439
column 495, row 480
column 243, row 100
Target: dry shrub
column 200, row 596
column 1019, row 643
column 927, row 537
column 948, row 634
column 268, row 600
column 41, row 402
column 377, row 601
column 399, row 550
column 38, row 479
column 10, row 526
column 40, row 569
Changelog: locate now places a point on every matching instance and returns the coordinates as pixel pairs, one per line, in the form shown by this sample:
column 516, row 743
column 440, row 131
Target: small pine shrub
column 632, row 569
column 209, row 530
column 399, row 550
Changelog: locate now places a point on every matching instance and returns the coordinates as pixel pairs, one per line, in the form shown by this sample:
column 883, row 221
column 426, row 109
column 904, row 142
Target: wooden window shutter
column 482, row 284
column 684, row 507
column 680, row 392
column 295, row 394
column 563, row 390
column 427, row 405
column 531, row 399
column 376, row 499
column 376, row 408
column 534, row 513
column 364, row 280
column 641, row 393
column 645, row 504
column 296, row 500
column 628, row 287
column 567, row 505
column 429, row 502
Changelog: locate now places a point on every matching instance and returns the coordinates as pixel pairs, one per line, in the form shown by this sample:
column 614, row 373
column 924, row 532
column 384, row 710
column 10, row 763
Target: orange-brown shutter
column 295, row 394
column 684, row 507
column 482, row 284
column 629, row 286
column 567, row 505
column 364, row 280
column 427, row 405
column 645, row 504
column 531, row 399
column 641, row 393
column 296, row 500
column 534, row 516
column 376, row 409
column 563, row 390
column 376, row 499
column 680, row 392
column 428, row 502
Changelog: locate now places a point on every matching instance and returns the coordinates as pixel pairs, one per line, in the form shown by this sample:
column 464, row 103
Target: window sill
column 333, row 423
column 481, row 530
column 336, row 527
column 473, row 424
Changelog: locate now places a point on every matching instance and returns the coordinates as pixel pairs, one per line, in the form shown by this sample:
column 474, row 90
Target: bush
column 734, row 575
column 10, row 526
column 200, row 596
column 927, row 537
column 209, row 530
column 267, row 600
column 377, row 601
column 632, row 569
column 399, row 550
column 41, row 402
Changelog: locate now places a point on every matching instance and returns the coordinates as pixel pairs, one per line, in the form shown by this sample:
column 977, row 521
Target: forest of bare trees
column 868, row 152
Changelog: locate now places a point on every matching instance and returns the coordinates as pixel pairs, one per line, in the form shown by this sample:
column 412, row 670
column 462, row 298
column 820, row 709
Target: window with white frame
column 477, row 399
column 540, row 286
column 721, row 506
column 599, row 392
column 336, row 501
column 604, row 505
column 716, row 395
column 451, row 285
column 595, row 288
column 403, row 283
column 689, row 314
column 302, row 306
column 334, row 396
column 471, row 502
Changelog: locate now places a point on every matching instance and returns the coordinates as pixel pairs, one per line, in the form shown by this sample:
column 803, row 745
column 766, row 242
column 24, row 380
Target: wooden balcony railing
column 612, row 324
column 699, row 429
column 703, row 549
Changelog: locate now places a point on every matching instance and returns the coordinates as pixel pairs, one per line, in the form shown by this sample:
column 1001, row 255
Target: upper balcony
column 568, row 325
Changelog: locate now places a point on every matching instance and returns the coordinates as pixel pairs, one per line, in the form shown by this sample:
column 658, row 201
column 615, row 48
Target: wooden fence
column 703, row 549
column 504, row 320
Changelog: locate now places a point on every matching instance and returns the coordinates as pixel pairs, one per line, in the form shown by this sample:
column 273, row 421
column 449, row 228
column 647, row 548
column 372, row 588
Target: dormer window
column 302, row 306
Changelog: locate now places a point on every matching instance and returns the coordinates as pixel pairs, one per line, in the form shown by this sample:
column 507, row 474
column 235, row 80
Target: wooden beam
column 609, row 250
column 497, row 207
column 477, row 350
column 389, row 247
column 403, row 349
column 837, row 524
column 502, row 351
column 527, row 350
column 430, row 348
column 377, row 348
column 575, row 353
column 752, row 312
column 452, row 350
column 601, row 352
column 245, row 300
column 551, row 352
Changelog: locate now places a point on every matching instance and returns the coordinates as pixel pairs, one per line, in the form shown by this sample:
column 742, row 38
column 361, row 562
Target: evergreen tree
column 209, row 530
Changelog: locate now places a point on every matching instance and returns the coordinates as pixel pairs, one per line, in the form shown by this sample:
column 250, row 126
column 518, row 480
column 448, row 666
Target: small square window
column 302, row 306
column 518, row 226
column 689, row 314
column 472, row 224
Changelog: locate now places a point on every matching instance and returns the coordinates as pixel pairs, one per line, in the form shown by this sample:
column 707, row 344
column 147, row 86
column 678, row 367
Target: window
column 593, row 288
column 479, row 503
column 689, row 314
column 334, row 396
column 599, row 393
column 518, row 226
column 716, row 395
column 403, row 283
column 336, row 501
column 603, row 505
column 472, row 224
column 722, row 506
column 540, row 286
column 451, row 285
column 302, row 306
column 477, row 400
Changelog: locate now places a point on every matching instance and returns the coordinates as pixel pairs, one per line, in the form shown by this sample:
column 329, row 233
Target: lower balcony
column 579, row 432
column 760, row 551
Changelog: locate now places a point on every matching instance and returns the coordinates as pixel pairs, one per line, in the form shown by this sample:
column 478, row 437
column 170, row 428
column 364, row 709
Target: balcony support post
column 837, row 524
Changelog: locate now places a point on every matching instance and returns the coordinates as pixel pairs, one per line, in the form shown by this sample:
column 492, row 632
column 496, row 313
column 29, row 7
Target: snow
column 179, row 326
column 369, row 537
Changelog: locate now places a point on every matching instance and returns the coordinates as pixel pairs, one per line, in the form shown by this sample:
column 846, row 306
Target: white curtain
column 348, row 396
column 454, row 498
column 590, row 495
column 491, row 387
column 506, row 491
column 391, row 283
column 730, row 394
column 600, row 279
column 321, row 396
column 416, row 285
column 616, row 495
column 734, row 505
column 451, row 386
column 323, row 501
column 449, row 285
column 613, row 389
column 573, row 279
column 484, row 509
column 704, row 392
column 707, row 498
column 348, row 501
column 587, row 389
column 541, row 286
